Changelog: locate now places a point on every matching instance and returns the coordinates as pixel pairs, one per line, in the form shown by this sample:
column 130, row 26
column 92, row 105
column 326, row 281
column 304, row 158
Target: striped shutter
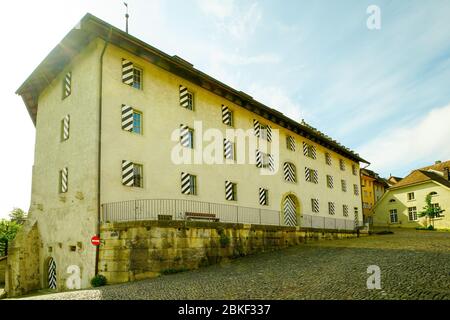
column 52, row 274
column 354, row 171
column 307, row 174
column 290, row 212
column 289, row 172
column 315, row 176
column 330, row 182
column 256, row 128
column 184, row 97
column 68, row 84
column 184, row 136
column 127, row 173
column 229, row 191
column 127, row 118
column 356, row 189
column 263, row 193
column 290, row 143
column 127, row 72
column 271, row 162
column 345, row 210
column 344, row 185
column 312, row 151
column 186, row 184
column 226, row 115
column 64, row 180
column 305, row 149
column 331, row 208
column 328, row 159
column 227, row 149
column 66, row 127
column 258, row 159
column 342, row 164
column 315, row 205
column 269, row 133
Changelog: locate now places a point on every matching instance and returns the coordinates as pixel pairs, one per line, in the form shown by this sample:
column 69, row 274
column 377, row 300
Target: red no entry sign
column 95, row 240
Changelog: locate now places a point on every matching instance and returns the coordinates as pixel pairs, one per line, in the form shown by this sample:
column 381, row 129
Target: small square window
column 137, row 78
column 411, row 196
column 137, row 122
column 73, row 248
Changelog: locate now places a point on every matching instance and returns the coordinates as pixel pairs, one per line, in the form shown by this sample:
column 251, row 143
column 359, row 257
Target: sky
column 381, row 92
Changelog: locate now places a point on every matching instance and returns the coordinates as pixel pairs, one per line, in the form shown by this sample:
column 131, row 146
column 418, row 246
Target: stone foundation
column 137, row 250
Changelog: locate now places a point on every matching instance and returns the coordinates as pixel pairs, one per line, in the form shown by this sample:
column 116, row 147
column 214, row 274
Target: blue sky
column 384, row 93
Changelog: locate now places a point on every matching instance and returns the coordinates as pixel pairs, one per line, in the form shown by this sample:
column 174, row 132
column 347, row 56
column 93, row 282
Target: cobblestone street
column 414, row 265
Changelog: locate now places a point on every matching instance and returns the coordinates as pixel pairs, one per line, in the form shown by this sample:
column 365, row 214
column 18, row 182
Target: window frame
column 140, row 70
column 141, row 121
column 393, row 213
column 409, row 198
column 412, row 213
column 140, row 170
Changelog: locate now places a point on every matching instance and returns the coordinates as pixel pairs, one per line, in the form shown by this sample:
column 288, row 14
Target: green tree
column 18, row 215
column 8, row 231
column 430, row 211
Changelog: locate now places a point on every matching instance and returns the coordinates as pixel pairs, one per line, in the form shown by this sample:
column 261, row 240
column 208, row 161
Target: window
column 131, row 119
column 131, row 75
column 137, row 78
column 188, row 184
column 437, row 209
column 328, row 159
column 65, row 128
column 393, row 216
column 290, row 174
column 264, row 131
column 186, row 136
column 67, row 85
column 311, row 175
column 138, row 176
column 315, row 205
column 228, row 149
column 354, row 170
column 263, row 197
column 433, row 193
column 344, row 185
column 186, row 98
column 230, row 191
column 411, row 196
column 365, row 194
column 412, row 213
column 329, row 181
column 63, row 180
column 342, row 164
column 345, row 210
column 227, row 116
column 290, row 143
column 331, row 208
column 309, row 150
column 356, row 190
column 392, row 201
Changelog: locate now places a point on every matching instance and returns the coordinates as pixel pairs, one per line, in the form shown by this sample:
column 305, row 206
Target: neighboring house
column 373, row 188
column 401, row 204
column 392, row 180
column 106, row 106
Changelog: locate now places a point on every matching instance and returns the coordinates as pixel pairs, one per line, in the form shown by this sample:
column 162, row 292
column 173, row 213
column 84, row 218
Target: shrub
column 98, row 281
column 224, row 240
column 173, row 270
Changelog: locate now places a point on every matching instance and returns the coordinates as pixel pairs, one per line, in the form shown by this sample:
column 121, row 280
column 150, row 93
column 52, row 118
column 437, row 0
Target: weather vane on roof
column 126, row 16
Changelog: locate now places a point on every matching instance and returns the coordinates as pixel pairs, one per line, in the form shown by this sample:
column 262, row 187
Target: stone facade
column 137, row 250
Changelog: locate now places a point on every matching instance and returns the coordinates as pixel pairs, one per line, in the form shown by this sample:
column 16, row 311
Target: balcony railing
column 176, row 209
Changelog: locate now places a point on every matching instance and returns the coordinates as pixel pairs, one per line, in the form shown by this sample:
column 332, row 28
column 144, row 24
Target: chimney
column 447, row 173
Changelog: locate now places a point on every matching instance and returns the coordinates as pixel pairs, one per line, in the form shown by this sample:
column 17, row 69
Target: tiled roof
column 423, row 175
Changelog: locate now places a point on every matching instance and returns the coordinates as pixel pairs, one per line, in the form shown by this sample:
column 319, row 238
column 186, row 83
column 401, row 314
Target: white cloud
column 220, row 9
column 402, row 147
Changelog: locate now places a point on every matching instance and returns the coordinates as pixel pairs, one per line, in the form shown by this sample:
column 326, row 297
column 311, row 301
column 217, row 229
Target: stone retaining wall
column 144, row 249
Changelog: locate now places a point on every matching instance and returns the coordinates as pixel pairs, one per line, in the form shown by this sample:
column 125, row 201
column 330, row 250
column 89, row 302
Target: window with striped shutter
column 64, row 180
column 354, row 170
column 186, row 136
column 345, row 210
column 188, row 184
column 263, row 197
column 290, row 143
column 309, row 150
column 227, row 116
column 328, row 159
column 289, row 172
column 344, row 185
column 67, row 85
column 262, row 131
column 186, row 98
column 228, row 149
column 65, row 128
column 356, row 190
column 331, row 208
column 330, row 183
column 315, row 205
column 230, row 191
column 342, row 164
column 311, row 175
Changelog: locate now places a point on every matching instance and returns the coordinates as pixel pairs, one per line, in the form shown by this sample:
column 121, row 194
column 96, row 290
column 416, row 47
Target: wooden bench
column 201, row 216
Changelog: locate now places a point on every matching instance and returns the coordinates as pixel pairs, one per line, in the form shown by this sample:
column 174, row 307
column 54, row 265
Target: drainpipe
column 99, row 164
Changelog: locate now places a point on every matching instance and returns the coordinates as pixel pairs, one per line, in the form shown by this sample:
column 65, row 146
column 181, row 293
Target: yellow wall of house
column 159, row 103
column 68, row 219
column 381, row 216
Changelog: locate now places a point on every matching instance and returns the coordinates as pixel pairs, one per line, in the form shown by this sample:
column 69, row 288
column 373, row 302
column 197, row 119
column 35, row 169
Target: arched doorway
column 290, row 210
column 51, row 273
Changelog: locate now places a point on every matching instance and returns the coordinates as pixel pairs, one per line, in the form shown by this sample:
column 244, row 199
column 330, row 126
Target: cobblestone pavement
column 414, row 265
